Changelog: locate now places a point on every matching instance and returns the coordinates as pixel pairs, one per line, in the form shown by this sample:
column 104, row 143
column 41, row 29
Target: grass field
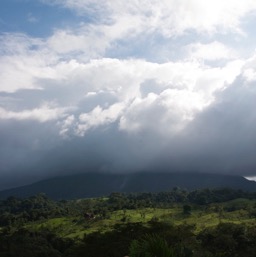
column 236, row 211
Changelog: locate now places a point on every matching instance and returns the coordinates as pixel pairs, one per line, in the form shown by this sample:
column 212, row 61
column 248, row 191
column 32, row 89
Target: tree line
column 15, row 211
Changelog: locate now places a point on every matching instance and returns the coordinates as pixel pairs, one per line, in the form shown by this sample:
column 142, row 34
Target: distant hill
column 99, row 184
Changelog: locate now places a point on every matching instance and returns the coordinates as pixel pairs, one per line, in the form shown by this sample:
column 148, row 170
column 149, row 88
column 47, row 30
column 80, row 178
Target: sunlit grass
column 201, row 217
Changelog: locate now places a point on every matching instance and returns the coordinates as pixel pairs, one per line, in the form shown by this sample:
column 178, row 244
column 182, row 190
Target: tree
column 186, row 209
column 150, row 246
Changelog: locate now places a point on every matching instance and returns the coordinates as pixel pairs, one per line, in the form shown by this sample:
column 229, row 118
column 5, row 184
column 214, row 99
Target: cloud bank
column 137, row 85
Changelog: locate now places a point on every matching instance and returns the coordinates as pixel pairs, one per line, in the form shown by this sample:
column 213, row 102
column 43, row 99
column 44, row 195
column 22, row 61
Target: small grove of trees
column 15, row 211
column 24, row 243
column 229, row 240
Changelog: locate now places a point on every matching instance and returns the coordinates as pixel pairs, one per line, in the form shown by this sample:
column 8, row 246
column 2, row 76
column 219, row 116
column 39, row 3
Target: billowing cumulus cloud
column 131, row 86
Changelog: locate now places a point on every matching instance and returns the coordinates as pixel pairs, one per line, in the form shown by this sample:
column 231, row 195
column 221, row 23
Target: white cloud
column 31, row 18
column 114, row 24
column 41, row 114
column 98, row 117
column 251, row 178
column 66, row 125
column 93, row 40
column 250, row 74
column 168, row 16
column 24, row 60
column 176, row 94
column 212, row 51
column 86, row 41
column 249, row 71
column 182, row 90
column 165, row 114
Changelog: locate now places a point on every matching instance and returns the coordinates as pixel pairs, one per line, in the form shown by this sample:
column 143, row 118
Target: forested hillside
column 208, row 222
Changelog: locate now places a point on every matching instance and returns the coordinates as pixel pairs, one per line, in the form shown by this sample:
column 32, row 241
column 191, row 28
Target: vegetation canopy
column 207, row 222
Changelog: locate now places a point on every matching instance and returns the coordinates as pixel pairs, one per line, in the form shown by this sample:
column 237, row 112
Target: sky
column 126, row 86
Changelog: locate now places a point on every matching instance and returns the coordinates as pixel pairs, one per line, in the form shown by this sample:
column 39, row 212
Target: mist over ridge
column 103, row 184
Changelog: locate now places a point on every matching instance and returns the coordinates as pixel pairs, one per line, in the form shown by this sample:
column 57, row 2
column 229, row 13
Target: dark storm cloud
column 221, row 139
column 23, row 143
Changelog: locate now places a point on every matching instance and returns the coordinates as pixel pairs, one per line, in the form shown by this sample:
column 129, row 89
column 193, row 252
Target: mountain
column 100, row 184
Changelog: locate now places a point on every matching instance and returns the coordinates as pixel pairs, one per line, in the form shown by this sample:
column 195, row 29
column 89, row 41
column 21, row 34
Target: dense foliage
column 23, row 233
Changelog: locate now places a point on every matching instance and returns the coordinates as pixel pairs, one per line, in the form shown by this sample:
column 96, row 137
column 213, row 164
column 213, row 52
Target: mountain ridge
column 101, row 184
